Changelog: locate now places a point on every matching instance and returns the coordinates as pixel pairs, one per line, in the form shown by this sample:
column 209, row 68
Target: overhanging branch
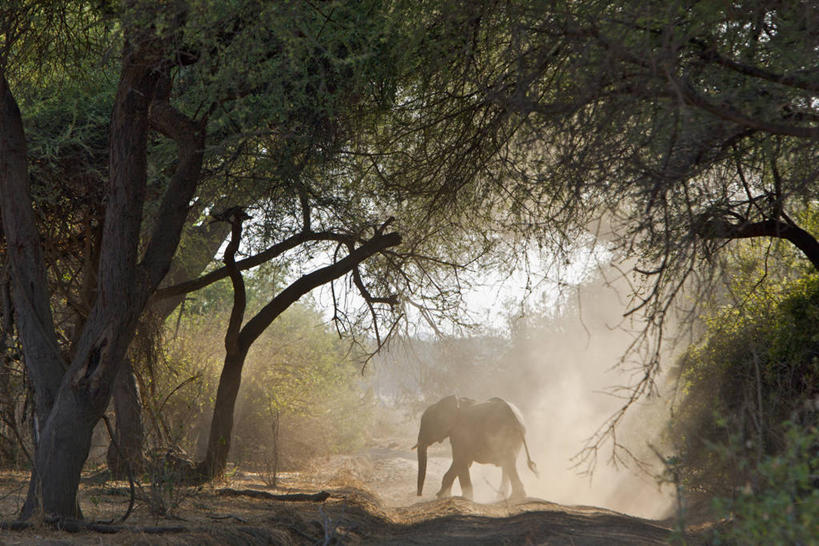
column 790, row 80
column 720, row 228
column 305, row 284
column 727, row 112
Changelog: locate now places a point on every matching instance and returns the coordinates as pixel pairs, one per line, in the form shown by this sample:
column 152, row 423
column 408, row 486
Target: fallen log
column 321, row 496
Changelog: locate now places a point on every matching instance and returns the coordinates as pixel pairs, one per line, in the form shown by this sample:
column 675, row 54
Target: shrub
column 757, row 368
column 784, row 506
column 298, row 378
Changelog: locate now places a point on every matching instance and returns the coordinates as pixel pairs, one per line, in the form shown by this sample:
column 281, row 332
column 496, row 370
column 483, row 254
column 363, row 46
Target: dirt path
column 371, row 501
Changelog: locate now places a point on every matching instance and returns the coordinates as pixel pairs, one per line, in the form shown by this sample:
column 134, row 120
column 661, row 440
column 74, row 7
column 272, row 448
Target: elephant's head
column 436, row 424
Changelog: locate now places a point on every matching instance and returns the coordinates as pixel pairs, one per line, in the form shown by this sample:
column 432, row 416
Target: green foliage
column 757, row 368
column 42, row 40
column 287, row 77
column 784, row 507
column 67, row 130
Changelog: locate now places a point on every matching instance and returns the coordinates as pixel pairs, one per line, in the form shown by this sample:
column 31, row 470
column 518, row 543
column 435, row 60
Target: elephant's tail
column 529, row 462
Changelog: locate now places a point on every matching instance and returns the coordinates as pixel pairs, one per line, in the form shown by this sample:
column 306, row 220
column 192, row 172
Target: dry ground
column 371, row 501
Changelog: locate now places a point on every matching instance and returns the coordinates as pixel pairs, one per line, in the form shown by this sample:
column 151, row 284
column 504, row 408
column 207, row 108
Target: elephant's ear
column 437, row 421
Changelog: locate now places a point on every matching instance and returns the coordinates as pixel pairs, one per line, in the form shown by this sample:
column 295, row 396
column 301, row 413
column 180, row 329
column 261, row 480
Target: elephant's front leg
column 466, row 482
column 446, row 483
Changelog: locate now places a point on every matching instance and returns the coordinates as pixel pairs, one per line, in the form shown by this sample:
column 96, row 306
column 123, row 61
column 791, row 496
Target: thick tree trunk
column 202, row 244
column 85, row 389
column 81, row 394
column 61, row 453
column 9, row 448
column 29, row 287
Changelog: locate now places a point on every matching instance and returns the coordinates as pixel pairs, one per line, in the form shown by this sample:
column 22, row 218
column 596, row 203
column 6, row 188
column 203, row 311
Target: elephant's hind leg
column 517, row 486
column 504, row 485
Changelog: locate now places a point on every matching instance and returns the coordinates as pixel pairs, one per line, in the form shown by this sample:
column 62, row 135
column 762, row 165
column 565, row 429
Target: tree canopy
column 663, row 130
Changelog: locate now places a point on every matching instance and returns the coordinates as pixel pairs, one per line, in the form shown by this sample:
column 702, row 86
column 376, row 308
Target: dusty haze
column 557, row 371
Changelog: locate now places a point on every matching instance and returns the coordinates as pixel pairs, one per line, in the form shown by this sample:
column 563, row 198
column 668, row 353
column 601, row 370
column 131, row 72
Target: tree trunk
column 231, row 378
column 221, row 426
column 9, row 448
column 125, row 451
column 29, row 286
column 238, row 339
column 70, row 402
column 85, row 389
column 202, row 243
column 61, row 453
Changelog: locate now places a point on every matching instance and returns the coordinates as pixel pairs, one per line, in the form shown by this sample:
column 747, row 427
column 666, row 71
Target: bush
column 757, row 368
column 300, row 386
column 784, row 507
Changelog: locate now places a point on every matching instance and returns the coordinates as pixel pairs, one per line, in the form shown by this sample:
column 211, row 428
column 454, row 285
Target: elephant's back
column 497, row 429
column 508, row 413
column 496, row 416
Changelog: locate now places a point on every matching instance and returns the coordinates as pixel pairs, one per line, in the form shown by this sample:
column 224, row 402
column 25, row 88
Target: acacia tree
column 70, row 397
column 67, row 132
column 239, row 337
column 137, row 241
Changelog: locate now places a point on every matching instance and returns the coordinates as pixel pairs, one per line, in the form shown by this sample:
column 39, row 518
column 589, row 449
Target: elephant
column 489, row 433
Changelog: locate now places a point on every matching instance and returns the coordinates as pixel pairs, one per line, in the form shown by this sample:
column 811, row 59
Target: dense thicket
column 756, row 370
column 744, row 425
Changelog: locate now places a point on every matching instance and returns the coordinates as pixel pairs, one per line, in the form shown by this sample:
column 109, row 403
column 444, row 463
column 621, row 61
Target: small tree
column 239, row 338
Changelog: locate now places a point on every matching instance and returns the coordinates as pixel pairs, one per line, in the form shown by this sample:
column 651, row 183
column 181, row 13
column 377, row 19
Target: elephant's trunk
column 422, row 467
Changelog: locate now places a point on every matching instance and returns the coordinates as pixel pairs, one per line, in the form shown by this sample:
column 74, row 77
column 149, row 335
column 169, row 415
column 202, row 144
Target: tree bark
column 124, row 283
column 221, row 427
column 125, row 451
column 8, row 449
column 85, row 389
column 719, row 228
column 29, row 287
column 231, row 378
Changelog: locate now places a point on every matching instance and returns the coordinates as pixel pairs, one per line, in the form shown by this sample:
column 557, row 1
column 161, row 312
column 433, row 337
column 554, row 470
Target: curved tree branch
column 306, row 283
column 790, row 80
column 235, row 216
column 720, row 228
column 247, row 263
column 727, row 112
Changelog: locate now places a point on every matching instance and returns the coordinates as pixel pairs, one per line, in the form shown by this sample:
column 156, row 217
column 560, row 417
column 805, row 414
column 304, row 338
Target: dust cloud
column 559, row 372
